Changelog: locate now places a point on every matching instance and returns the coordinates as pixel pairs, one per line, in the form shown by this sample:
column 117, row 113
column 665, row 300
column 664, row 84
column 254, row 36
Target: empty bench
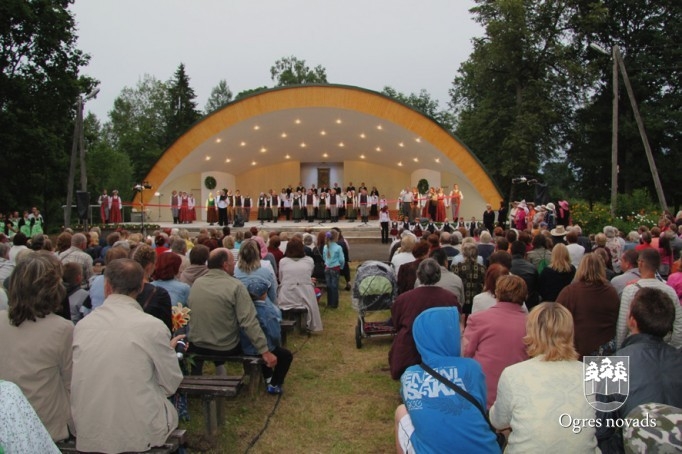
column 285, row 327
column 212, row 389
column 172, row 444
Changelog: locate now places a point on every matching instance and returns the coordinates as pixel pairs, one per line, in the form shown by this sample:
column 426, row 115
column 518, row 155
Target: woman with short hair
column 494, row 337
column 37, row 343
column 296, row 290
column 165, row 276
column 557, row 275
column 486, row 299
column 534, row 396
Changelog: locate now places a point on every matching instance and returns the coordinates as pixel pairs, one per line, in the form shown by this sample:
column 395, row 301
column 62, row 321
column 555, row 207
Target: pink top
column 675, row 281
column 494, row 338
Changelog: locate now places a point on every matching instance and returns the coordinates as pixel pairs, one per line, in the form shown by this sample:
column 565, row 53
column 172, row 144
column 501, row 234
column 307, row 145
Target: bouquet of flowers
column 180, row 316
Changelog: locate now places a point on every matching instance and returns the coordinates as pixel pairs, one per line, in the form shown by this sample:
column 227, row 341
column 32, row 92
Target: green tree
column 137, row 124
column 220, row 95
column 108, row 168
column 292, row 71
column 250, row 91
column 515, row 94
column 423, row 102
column 182, row 109
column 39, row 85
column 648, row 34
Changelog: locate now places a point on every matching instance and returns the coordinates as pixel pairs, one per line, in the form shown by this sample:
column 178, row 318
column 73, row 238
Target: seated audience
column 153, row 299
column 296, row 290
column 486, row 299
column 166, row 271
column 494, row 337
column 593, row 304
column 655, row 367
column 649, row 261
column 221, row 308
column 124, row 369
column 533, row 395
column 472, row 274
column 558, row 274
column 407, row 307
column 36, row 353
column 21, row 430
column 448, row 280
column 269, row 318
column 197, row 263
column 435, row 418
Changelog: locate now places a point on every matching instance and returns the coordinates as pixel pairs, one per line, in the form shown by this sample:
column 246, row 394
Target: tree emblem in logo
column 606, row 381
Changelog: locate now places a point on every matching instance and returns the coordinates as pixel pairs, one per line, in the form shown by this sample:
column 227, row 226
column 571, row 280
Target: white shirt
column 576, row 252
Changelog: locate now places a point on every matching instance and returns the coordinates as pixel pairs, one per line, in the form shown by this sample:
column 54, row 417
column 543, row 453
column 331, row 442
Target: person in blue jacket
column 435, row 418
column 269, row 318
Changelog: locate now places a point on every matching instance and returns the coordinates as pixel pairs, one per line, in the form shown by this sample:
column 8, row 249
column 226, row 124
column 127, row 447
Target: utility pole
column 642, row 131
column 618, row 63
column 78, row 140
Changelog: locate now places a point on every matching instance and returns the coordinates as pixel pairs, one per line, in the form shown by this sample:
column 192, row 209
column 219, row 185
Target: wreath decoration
column 210, row 182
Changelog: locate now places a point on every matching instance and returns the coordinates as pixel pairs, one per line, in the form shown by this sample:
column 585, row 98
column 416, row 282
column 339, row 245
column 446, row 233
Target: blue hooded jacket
column 443, row 420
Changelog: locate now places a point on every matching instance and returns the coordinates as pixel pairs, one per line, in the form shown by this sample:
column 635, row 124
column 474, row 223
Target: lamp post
column 77, row 143
column 158, row 194
column 618, row 63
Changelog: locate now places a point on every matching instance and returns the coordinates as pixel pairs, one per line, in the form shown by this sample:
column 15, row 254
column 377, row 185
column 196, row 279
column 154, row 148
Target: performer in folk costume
column 394, row 230
column 175, row 207
column 285, row 199
column 374, row 202
column 440, row 206
column 37, row 222
column 417, row 202
column 192, row 202
column 222, row 208
column 456, row 198
column 261, row 208
column 103, row 201
column 351, row 204
column 274, row 205
column 363, row 202
column 248, row 203
column 322, row 205
column 297, row 203
column 384, row 220
column 211, row 211
column 335, row 202
column 184, row 208
column 115, row 207
column 237, row 202
column 310, row 204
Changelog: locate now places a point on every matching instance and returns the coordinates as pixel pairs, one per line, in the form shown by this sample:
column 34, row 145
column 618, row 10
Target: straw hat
column 550, row 206
column 558, row 231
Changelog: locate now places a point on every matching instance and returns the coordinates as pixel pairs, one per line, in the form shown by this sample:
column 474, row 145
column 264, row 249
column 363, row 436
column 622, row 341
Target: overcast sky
column 408, row 45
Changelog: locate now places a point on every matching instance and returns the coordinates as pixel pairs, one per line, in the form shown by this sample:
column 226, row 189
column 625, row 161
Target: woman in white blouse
column 534, row 396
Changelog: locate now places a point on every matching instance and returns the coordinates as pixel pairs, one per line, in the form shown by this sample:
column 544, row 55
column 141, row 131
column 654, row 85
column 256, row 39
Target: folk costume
column 103, row 202
column 175, row 207
column 211, row 212
column 115, row 207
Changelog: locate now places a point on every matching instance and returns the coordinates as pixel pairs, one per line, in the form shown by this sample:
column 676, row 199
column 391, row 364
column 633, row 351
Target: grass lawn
column 337, row 398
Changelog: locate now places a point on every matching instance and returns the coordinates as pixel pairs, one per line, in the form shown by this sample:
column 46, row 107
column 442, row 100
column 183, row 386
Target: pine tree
column 182, row 107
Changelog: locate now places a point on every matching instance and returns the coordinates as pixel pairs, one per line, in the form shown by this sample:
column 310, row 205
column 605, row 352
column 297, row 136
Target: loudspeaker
column 83, row 204
column 238, row 221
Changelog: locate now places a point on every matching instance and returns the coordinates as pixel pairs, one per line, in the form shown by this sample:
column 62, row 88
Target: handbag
column 501, row 440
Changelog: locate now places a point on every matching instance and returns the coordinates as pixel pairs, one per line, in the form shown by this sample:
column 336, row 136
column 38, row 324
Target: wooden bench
column 300, row 316
column 286, row 326
column 212, row 389
column 172, row 444
column 252, row 369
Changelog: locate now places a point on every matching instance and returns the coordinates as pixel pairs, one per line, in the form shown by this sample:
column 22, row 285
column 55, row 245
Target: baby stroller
column 374, row 289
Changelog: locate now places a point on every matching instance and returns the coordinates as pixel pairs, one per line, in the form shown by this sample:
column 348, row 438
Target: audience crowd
column 503, row 315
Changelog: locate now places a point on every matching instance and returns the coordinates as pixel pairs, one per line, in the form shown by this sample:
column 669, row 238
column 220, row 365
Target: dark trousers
column 284, row 359
column 198, row 365
column 384, row 232
column 222, row 216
